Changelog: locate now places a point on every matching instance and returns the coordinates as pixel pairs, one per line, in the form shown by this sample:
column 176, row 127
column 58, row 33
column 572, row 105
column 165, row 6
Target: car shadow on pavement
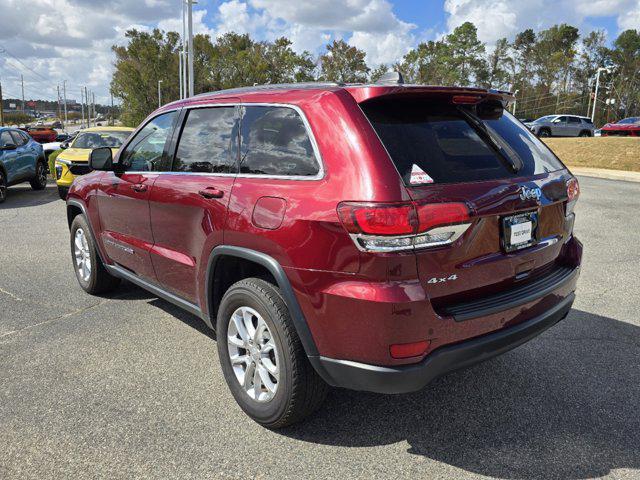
column 565, row 405
column 22, row 195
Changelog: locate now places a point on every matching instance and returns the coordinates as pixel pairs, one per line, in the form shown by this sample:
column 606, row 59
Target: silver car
column 562, row 126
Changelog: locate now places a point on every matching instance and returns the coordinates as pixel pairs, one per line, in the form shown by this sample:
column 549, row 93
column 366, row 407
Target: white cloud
column 505, row 18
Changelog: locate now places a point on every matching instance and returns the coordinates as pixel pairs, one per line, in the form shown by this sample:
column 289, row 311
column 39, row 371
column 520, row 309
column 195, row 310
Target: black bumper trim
column 409, row 378
column 515, row 297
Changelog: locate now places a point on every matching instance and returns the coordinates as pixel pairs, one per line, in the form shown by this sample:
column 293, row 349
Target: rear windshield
column 100, row 139
column 433, row 142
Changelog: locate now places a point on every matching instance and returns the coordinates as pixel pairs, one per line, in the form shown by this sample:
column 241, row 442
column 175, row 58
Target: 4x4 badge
column 530, row 193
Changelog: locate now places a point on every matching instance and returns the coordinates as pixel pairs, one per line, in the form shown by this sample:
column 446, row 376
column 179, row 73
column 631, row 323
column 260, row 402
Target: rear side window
column 208, row 141
column 436, row 140
column 274, row 141
column 574, row 120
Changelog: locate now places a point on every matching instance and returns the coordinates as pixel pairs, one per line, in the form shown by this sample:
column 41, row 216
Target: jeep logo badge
column 530, row 193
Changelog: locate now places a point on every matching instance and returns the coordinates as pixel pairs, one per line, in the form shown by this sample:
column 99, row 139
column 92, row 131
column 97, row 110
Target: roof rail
column 272, row 86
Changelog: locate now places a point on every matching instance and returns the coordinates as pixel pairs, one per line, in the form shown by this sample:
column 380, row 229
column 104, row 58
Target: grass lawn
column 617, row 153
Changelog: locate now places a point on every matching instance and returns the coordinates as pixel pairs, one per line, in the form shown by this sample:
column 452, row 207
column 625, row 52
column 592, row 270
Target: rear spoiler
column 363, row 93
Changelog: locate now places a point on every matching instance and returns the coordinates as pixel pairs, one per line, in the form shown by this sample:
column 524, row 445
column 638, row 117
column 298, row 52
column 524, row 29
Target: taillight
column 573, row 192
column 391, row 227
column 573, row 189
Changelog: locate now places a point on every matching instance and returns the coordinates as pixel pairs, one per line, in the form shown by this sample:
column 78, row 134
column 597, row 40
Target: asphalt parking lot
column 129, row 386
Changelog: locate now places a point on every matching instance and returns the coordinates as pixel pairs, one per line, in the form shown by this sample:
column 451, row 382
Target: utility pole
column 64, row 89
column 93, row 98
column 82, row 106
column 58, row 88
column 86, row 99
column 113, row 122
column 1, row 108
column 159, row 94
column 595, row 96
column 22, row 82
column 515, row 101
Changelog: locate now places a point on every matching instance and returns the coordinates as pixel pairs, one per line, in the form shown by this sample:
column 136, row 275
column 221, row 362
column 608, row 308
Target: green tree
column 146, row 59
column 499, row 65
column 626, row 59
column 343, row 63
column 466, row 54
column 378, row 72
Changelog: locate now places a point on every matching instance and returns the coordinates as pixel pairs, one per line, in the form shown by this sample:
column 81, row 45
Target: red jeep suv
column 372, row 237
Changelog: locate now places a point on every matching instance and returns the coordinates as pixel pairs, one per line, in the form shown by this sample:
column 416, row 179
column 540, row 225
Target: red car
column 42, row 134
column 627, row 127
column 372, row 237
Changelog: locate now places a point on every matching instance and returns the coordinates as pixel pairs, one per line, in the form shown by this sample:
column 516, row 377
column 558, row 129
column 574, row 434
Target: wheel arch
column 214, row 287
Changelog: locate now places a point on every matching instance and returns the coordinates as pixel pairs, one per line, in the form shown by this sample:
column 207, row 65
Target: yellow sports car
column 74, row 160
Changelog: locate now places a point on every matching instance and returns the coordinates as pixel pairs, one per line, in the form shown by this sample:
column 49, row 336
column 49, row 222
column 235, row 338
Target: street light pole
column 159, row 94
column 190, row 45
column 64, row 90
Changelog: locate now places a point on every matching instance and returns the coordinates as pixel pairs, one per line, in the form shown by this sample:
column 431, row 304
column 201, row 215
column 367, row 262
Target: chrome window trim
column 316, row 150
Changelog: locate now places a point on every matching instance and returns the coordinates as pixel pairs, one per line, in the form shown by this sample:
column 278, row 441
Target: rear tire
column 63, row 192
column 89, row 270
column 39, row 182
column 3, row 186
column 297, row 390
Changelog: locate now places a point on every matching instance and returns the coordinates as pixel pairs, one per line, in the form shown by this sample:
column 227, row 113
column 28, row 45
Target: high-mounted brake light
column 466, row 99
column 392, row 227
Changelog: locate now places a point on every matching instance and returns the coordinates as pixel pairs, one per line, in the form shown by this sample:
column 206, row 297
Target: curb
column 606, row 173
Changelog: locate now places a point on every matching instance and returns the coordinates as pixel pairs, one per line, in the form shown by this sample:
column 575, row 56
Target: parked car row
column 21, row 160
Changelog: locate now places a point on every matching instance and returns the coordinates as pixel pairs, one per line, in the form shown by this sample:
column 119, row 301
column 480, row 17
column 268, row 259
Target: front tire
column 89, row 270
column 39, row 182
column 544, row 133
column 262, row 358
column 584, row 134
column 63, row 192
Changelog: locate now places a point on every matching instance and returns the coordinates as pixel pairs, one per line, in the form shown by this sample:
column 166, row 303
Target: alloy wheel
column 3, row 187
column 253, row 354
column 82, row 255
column 41, row 173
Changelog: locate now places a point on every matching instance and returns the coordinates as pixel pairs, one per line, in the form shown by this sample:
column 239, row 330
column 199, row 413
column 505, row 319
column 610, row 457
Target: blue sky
column 76, row 46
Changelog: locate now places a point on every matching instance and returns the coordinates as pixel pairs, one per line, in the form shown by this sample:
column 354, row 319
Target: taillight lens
column 378, row 219
column 573, row 189
column 390, row 227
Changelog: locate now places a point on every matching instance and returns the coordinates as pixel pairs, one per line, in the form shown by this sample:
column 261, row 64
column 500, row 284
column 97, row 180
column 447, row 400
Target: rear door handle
column 139, row 187
column 211, row 192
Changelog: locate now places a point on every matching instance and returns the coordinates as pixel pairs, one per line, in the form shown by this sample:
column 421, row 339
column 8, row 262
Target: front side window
column 274, row 141
column 145, row 151
column 100, row 139
column 208, row 142
column 19, row 138
column 6, row 139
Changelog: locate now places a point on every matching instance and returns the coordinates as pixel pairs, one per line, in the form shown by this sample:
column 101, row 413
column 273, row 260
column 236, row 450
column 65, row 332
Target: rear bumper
column 409, row 378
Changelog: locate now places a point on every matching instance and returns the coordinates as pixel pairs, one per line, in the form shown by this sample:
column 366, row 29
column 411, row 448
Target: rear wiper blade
column 512, row 159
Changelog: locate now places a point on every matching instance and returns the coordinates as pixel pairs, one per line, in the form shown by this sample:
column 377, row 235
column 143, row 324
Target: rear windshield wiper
column 510, row 157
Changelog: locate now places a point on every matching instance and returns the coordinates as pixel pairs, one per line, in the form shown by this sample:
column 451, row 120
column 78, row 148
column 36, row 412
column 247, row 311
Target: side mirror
column 64, row 145
column 557, row 120
column 9, row 146
column 101, row 159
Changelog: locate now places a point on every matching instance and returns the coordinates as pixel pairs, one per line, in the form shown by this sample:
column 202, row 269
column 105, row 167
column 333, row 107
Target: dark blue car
column 21, row 160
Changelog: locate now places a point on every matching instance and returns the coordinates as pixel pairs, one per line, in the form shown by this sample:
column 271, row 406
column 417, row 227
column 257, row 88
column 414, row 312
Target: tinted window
column 20, row 138
column 208, row 141
column 144, row 152
column 587, row 121
column 574, row 120
column 275, row 142
column 441, row 142
column 562, row 119
column 6, row 138
column 100, row 139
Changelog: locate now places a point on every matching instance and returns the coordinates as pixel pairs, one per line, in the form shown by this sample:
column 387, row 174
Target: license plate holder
column 519, row 231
